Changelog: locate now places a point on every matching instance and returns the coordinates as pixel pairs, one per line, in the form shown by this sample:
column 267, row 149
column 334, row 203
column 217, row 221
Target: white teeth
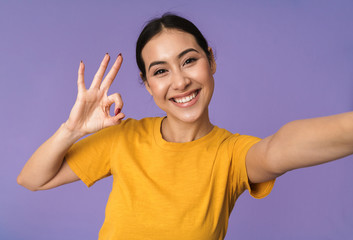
column 185, row 99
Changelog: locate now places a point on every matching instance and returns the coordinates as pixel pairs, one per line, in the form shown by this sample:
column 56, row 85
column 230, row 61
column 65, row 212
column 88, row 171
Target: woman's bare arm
column 47, row 162
column 47, row 168
column 299, row 144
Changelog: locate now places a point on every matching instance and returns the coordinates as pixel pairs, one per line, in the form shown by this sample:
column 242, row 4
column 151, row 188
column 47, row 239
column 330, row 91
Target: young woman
column 175, row 177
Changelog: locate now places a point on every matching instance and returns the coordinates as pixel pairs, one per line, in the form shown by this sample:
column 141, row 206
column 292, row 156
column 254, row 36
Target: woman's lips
column 186, row 100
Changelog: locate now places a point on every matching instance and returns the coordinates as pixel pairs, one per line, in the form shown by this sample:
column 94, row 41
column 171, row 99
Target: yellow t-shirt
column 163, row 190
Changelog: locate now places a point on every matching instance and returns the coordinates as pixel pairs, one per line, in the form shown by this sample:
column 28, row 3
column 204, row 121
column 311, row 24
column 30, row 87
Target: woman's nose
column 180, row 81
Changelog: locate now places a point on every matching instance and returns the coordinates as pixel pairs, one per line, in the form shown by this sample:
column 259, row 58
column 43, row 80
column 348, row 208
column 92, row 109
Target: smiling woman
column 180, row 79
column 178, row 176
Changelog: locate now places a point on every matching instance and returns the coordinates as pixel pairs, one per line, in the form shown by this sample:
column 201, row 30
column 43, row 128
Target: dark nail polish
column 119, row 54
column 117, row 111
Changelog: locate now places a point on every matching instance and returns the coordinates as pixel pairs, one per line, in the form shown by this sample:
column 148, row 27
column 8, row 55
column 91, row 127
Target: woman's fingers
column 100, row 73
column 118, row 102
column 112, row 73
column 80, row 78
column 114, row 120
column 118, row 115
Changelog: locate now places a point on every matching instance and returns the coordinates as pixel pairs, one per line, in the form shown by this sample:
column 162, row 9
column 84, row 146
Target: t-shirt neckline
column 173, row 146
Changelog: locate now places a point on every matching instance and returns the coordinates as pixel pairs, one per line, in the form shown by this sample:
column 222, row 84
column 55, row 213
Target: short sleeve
column 240, row 181
column 90, row 157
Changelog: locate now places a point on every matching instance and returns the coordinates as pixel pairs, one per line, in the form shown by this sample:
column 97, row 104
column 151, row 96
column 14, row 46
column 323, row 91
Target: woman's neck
column 174, row 130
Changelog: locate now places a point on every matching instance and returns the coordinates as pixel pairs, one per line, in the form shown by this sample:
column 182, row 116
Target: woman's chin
column 189, row 118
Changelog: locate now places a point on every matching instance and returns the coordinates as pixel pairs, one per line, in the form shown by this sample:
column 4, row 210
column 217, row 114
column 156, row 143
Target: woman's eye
column 189, row 60
column 160, row 71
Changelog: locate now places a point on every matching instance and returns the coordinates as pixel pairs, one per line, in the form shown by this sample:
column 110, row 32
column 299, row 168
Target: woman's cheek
column 158, row 88
column 202, row 72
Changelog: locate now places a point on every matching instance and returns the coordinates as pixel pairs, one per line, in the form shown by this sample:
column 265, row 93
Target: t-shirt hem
column 76, row 169
column 256, row 190
column 261, row 190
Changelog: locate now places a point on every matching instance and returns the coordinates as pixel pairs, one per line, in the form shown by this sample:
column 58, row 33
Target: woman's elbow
column 22, row 182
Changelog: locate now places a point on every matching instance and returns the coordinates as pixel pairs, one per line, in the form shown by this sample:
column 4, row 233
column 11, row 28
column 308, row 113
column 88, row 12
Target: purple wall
column 277, row 61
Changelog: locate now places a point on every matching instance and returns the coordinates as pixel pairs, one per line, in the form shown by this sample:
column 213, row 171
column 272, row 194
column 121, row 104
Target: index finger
column 100, row 73
column 80, row 78
column 108, row 80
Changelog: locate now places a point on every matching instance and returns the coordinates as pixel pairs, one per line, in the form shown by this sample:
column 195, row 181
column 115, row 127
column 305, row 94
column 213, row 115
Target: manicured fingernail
column 117, row 111
column 119, row 54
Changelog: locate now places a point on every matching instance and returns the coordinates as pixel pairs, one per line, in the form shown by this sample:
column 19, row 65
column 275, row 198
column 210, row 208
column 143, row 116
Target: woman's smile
column 187, row 99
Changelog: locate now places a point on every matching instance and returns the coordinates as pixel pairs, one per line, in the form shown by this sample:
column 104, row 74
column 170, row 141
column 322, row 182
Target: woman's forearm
column 310, row 142
column 46, row 161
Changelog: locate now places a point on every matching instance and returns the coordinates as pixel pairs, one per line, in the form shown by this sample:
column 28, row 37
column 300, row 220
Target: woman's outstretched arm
column 301, row 143
column 47, row 168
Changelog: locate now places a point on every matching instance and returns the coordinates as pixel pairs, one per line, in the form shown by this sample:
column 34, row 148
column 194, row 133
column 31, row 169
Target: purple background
column 277, row 61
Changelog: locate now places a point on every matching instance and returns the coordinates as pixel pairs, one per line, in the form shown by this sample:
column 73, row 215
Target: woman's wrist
column 70, row 135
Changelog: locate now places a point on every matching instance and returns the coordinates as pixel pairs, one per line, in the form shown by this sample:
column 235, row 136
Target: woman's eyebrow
column 156, row 63
column 186, row 51
column 179, row 56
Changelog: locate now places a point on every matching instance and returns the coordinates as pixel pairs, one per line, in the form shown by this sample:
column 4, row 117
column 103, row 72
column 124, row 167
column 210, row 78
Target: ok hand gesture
column 91, row 110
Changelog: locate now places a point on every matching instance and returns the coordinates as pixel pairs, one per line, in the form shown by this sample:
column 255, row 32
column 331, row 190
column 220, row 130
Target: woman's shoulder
column 136, row 126
column 235, row 138
column 139, row 123
column 224, row 134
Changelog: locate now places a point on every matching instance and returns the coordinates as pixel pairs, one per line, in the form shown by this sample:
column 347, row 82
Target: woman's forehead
column 168, row 43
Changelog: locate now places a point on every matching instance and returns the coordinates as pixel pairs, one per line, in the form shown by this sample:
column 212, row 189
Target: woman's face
column 179, row 75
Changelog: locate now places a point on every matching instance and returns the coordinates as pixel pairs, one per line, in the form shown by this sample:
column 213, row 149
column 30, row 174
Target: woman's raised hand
column 91, row 110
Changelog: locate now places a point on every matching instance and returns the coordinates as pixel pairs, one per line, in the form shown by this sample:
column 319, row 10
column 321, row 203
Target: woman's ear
column 212, row 61
column 146, row 83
